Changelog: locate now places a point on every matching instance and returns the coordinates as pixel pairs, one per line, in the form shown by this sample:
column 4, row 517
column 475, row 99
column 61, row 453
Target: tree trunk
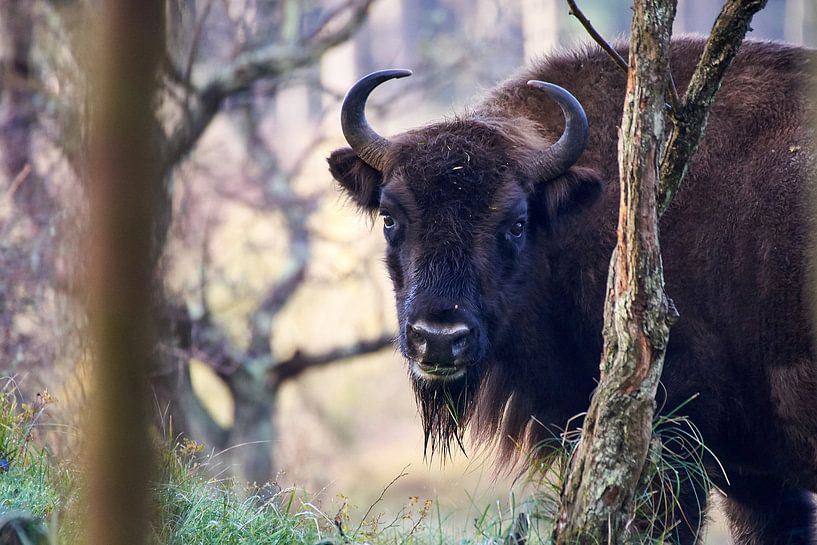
column 18, row 114
column 598, row 497
column 608, row 464
column 125, row 177
column 254, row 431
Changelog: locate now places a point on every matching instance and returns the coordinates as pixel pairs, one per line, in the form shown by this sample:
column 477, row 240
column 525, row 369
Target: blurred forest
column 277, row 317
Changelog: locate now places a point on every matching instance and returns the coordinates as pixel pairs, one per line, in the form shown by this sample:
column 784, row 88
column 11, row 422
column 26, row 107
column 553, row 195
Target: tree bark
column 609, row 462
column 124, row 179
column 598, row 497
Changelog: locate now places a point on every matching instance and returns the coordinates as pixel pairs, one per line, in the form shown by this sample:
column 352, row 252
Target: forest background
column 278, row 309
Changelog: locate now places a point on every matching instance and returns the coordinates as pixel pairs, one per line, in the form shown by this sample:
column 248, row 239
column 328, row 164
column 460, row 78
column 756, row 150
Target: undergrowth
column 677, row 460
column 191, row 507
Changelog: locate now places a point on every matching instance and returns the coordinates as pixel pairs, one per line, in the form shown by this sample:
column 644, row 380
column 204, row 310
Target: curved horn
column 566, row 151
column 367, row 144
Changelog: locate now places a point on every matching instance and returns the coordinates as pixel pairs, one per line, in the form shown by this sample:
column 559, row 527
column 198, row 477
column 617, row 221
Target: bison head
column 468, row 205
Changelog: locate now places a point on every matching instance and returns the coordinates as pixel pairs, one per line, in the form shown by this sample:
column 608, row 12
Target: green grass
column 26, row 478
column 193, row 508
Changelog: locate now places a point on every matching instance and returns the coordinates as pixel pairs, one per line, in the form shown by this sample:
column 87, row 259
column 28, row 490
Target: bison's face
column 467, row 207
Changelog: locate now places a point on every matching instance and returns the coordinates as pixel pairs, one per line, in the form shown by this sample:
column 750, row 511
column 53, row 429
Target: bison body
column 499, row 243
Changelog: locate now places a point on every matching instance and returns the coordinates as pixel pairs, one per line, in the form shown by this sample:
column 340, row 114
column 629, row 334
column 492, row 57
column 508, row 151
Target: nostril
column 416, row 338
column 459, row 342
column 415, row 334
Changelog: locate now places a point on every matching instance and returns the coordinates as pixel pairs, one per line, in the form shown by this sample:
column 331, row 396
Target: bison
column 500, row 224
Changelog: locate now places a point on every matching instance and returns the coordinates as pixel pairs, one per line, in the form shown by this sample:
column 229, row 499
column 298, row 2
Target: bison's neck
column 546, row 366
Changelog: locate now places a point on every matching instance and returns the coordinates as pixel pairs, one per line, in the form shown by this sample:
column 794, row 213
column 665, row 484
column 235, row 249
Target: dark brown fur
column 734, row 245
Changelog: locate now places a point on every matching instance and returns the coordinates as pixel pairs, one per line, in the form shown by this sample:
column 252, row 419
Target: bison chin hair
column 445, row 408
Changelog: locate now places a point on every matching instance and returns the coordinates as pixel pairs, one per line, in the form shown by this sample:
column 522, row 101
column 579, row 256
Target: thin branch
column 672, row 91
column 276, row 298
column 379, row 499
column 265, row 64
column 191, row 54
column 327, row 17
column 690, row 120
column 21, row 177
column 577, row 13
column 300, row 362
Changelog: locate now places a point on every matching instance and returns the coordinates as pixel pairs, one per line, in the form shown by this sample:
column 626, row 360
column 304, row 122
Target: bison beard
column 445, row 409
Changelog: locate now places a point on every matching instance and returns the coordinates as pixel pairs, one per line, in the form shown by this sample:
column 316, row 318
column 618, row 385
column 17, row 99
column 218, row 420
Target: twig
column 21, row 177
column 577, row 13
column 191, row 55
column 266, row 64
column 380, row 498
column 672, row 91
column 328, row 16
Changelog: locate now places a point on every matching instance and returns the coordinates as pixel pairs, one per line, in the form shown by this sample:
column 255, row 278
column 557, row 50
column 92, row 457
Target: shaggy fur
column 734, row 245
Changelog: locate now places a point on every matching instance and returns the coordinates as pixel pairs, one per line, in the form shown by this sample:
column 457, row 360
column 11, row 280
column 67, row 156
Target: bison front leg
column 762, row 511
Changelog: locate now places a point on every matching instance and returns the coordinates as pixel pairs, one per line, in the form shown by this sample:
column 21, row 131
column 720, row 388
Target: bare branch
column 268, row 63
column 577, row 13
column 187, row 77
column 328, row 17
column 690, row 121
column 205, row 341
column 276, row 298
column 300, row 362
column 672, row 92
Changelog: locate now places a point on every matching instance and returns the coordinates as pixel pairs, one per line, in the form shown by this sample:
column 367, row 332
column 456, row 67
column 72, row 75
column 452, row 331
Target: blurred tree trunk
column 419, row 20
column 18, row 113
column 179, row 410
column 794, row 21
column 541, row 21
column 26, row 258
column 254, row 431
column 125, row 180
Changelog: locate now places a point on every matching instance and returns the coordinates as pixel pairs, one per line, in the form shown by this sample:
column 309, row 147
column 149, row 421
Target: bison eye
column 388, row 221
column 517, row 229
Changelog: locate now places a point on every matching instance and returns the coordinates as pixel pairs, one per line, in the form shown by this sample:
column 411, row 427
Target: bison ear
column 572, row 192
column 360, row 181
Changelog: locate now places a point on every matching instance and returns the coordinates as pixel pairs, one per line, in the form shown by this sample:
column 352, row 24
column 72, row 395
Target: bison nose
column 441, row 344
